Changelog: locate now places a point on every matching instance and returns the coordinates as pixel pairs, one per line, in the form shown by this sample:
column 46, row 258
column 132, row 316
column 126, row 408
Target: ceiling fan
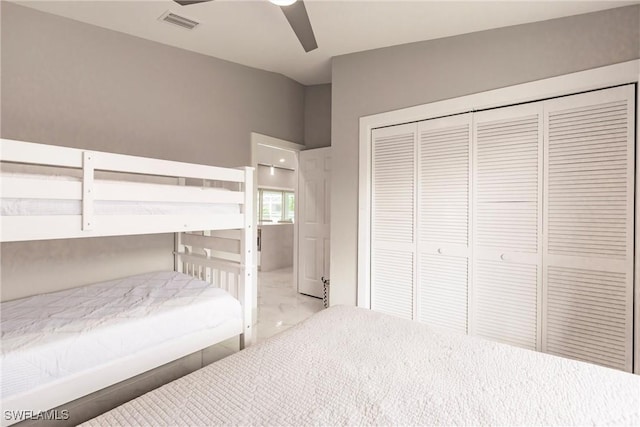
column 296, row 14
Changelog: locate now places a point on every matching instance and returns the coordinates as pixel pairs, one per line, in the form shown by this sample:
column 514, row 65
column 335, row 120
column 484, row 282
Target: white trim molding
column 636, row 279
column 598, row 78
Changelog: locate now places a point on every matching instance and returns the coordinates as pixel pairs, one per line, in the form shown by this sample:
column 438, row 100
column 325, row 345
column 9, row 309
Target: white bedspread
column 49, row 336
column 348, row 366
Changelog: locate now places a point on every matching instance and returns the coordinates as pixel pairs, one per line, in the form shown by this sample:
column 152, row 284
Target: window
column 289, row 206
column 276, row 206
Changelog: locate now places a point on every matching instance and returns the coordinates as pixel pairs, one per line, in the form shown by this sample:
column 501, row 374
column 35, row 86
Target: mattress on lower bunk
column 349, row 366
column 29, row 207
column 47, row 337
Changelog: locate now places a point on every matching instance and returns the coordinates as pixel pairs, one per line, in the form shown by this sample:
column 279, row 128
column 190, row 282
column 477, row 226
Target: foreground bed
column 350, row 366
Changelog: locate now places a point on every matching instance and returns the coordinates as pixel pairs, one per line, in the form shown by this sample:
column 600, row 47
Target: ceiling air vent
column 180, row 21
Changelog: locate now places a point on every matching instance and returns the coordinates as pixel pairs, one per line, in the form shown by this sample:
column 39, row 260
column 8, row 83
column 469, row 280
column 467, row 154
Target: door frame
column 258, row 138
column 582, row 81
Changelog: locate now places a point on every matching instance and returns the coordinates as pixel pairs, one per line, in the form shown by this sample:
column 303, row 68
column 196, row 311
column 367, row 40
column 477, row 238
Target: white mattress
column 47, row 337
column 29, row 207
column 348, row 366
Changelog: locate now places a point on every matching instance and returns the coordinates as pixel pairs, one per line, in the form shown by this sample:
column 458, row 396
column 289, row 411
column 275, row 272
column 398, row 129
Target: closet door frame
column 636, row 277
column 597, row 78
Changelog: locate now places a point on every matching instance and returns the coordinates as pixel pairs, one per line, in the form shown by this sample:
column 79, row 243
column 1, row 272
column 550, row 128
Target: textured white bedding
column 348, row 366
column 47, row 337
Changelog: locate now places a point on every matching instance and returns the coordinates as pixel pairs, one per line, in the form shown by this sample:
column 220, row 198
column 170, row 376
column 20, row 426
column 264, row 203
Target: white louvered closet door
column 589, row 208
column 444, row 147
column 507, row 238
column 393, row 195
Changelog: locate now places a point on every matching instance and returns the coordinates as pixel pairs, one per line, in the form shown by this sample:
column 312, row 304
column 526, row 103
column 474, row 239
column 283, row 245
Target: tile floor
column 280, row 306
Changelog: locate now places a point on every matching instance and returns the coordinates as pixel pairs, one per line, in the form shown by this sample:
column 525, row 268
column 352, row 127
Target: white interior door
column 313, row 217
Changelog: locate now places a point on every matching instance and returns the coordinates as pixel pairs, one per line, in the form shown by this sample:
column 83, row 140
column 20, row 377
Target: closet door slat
column 507, row 238
column 443, row 291
column 392, row 290
column 589, row 195
column 393, row 220
column 443, row 221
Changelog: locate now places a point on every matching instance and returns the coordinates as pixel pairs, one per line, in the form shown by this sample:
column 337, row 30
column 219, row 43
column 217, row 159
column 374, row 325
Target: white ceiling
column 256, row 33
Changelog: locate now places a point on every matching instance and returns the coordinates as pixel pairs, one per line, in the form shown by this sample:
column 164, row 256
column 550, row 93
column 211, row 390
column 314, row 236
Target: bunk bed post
column 178, row 247
column 177, row 253
column 88, row 171
column 248, row 281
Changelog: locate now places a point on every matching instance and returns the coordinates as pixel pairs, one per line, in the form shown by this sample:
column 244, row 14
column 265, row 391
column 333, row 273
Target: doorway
column 265, row 150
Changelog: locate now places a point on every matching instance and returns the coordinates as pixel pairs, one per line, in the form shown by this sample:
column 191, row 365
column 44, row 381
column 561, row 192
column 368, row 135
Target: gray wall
column 317, row 116
column 391, row 78
column 277, row 246
column 73, row 84
column 281, row 178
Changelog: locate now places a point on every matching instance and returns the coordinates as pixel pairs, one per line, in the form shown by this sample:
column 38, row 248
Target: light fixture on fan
column 283, row 2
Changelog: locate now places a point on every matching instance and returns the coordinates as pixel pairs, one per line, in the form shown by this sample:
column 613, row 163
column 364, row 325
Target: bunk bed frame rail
column 87, row 191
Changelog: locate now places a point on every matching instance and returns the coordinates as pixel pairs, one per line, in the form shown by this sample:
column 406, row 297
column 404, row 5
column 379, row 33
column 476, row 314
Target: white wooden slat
column 586, row 309
column 212, row 244
column 443, row 291
column 393, row 187
column 27, row 188
column 88, row 190
column 144, row 165
column 28, row 152
column 443, row 203
column 392, row 282
column 443, row 166
column 563, row 215
column 393, row 184
column 506, row 180
column 589, row 206
column 506, row 302
column 507, row 205
column 195, row 261
column 41, row 227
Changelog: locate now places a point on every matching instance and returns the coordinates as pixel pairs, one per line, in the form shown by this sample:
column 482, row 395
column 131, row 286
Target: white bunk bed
column 214, row 239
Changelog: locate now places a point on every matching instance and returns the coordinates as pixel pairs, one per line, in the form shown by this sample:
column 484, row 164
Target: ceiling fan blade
column 188, row 2
column 298, row 18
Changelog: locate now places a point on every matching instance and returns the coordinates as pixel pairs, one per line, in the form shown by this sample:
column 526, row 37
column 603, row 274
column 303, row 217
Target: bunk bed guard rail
column 87, row 191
